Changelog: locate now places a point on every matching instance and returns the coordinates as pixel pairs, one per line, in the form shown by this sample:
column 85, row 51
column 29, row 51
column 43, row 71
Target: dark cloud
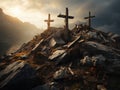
column 107, row 15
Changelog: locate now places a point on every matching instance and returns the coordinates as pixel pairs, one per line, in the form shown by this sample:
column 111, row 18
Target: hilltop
column 55, row 60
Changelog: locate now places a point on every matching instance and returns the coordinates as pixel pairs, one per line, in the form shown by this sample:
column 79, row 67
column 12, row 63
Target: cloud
column 108, row 17
column 107, row 12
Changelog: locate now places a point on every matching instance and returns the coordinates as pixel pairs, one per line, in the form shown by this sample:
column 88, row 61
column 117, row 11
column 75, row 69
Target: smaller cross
column 89, row 19
column 48, row 21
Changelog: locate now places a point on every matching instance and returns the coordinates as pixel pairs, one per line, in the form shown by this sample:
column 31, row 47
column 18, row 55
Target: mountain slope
column 88, row 60
column 14, row 32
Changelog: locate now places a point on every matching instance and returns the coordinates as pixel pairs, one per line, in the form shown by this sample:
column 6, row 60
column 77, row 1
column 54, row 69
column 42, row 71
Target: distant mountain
column 14, row 32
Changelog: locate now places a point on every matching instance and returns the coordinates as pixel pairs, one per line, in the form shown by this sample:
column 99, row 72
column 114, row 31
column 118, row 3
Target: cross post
column 48, row 22
column 66, row 18
column 89, row 19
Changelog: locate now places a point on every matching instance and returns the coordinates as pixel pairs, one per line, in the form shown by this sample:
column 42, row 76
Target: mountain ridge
column 13, row 31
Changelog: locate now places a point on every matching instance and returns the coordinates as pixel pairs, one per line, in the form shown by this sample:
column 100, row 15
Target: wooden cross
column 66, row 18
column 89, row 19
column 48, row 21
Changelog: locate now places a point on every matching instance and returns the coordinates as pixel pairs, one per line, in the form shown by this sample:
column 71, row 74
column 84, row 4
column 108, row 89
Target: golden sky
column 107, row 14
column 36, row 11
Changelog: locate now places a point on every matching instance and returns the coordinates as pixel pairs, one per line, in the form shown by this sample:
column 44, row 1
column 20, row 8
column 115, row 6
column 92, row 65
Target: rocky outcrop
column 88, row 61
column 18, row 75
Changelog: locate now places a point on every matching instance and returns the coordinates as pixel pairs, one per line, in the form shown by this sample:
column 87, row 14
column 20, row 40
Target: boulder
column 97, row 48
column 48, row 86
column 62, row 73
column 18, row 75
column 56, row 54
column 56, row 42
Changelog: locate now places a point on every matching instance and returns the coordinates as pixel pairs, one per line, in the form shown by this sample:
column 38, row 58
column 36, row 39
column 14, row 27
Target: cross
column 66, row 18
column 89, row 19
column 48, row 21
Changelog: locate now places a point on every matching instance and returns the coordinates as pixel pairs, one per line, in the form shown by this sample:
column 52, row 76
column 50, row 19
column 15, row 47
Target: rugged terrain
column 80, row 59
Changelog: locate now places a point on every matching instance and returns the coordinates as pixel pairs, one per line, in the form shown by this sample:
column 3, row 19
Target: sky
column 107, row 12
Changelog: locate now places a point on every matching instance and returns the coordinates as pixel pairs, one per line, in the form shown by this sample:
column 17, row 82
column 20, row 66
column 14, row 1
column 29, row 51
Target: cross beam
column 66, row 18
column 48, row 22
column 89, row 19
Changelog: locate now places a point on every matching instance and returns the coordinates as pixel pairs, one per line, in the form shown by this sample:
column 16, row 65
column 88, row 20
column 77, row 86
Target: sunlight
column 16, row 11
column 34, row 17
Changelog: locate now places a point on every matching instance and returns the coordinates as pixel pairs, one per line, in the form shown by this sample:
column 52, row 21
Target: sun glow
column 32, row 16
column 16, row 11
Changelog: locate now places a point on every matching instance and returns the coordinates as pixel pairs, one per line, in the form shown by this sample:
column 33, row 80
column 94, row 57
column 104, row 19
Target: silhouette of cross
column 89, row 19
column 48, row 21
column 66, row 18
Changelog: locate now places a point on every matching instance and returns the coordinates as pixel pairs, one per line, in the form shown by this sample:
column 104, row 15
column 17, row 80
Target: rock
column 37, row 45
column 97, row 48
column 73, row 42
column 62, row 59
column 48, row 86
column 63, row 73
column 92, row 34
column 56, row 42
column 60, row 74
column 23, row 57
column 17, row 75
column 98, row 60
column 86, row 61
column 56, row 54
column 93, row 61
column 101, row 87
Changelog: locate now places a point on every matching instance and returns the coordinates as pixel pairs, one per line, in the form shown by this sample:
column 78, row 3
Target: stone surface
column 88, row 61
column 17, row 73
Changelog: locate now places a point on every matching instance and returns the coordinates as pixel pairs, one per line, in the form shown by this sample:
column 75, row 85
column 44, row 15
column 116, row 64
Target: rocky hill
column 14, row 32
column 82, row 59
